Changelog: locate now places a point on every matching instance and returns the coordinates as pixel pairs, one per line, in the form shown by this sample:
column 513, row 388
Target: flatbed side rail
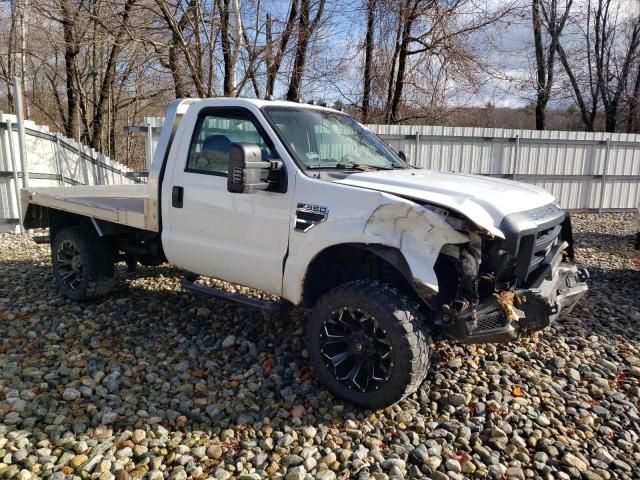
column 120, row 204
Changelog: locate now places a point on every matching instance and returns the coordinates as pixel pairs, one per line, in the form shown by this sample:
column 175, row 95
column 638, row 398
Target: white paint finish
column 484, row 200
column 365, row 216
column 417, row 232
column 349, row 209
column 241, row 238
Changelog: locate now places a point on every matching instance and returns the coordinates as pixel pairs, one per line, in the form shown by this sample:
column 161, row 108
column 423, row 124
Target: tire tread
column 409, row 323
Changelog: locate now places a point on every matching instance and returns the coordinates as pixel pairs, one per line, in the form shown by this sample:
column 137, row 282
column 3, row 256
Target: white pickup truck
column 304, row 203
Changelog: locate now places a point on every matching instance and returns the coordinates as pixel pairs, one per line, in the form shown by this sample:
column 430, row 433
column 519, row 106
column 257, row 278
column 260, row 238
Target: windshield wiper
column 362, row 166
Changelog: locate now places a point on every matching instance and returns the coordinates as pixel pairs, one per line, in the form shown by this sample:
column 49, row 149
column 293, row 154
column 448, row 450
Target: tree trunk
column 587, row 119
column 368, row 60
column 274, row 59
column 8, row 69
column 179, row 44
column 541, row 87
column 403, row 53
column 174, row 68
column 634, row 101
column 392, row 72
column 109, row 78
column 306, row 27
column 225, row 42
column 293, row 93
column 70, row 52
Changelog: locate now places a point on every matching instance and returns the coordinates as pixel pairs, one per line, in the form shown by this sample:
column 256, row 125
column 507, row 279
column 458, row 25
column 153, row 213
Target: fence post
column 14, row 169
column 17, row 89
column 516, row 156
column 417, row 162
column 83, row 164
column 56, row 149
column 148, row 140
column 605, row 168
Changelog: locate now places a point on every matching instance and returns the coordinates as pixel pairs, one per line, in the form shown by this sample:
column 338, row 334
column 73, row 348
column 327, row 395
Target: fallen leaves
column 517, row 392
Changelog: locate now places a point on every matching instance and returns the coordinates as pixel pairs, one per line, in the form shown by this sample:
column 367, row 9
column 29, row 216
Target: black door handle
column 177, row 195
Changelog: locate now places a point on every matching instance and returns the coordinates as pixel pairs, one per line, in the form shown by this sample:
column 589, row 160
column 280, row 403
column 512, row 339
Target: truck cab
column 304, row 203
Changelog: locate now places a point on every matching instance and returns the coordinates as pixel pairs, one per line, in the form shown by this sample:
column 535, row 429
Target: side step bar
column 270, row 307
column 41, row 239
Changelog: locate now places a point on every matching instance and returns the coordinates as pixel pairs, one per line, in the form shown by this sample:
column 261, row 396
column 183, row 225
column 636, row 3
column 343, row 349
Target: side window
column 211, row 143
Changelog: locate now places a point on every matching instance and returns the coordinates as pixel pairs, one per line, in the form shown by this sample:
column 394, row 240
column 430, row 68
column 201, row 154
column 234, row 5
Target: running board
column 41, row 239
column 270, row 307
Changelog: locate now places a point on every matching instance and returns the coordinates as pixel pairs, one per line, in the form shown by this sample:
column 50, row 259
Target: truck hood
column 483, row 200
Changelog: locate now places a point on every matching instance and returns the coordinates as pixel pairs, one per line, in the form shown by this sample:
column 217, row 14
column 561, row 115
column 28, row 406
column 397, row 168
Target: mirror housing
column 246, row 167
column 402, row 155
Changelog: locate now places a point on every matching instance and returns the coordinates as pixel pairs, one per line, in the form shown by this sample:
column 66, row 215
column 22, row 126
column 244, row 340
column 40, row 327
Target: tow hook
column 581, row 276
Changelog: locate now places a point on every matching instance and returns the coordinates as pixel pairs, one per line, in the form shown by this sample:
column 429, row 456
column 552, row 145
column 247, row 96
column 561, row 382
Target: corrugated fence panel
column 53, row 160
column 568, row 164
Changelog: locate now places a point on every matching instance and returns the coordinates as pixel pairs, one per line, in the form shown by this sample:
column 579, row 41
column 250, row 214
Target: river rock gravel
column 155, row 383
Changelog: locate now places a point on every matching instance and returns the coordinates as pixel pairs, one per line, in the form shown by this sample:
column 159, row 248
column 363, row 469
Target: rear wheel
column 83, row 264
column 368, row 343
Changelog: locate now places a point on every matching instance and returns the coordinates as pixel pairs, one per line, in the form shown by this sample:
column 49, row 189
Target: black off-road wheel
column 368, row 343
column 83, row 264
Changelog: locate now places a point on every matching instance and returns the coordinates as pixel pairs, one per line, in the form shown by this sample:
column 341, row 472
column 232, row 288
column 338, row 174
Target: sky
column 510, row 54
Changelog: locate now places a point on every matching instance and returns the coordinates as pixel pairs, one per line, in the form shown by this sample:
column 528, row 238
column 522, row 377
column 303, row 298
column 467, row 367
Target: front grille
column 488, row 322
column 530, row 238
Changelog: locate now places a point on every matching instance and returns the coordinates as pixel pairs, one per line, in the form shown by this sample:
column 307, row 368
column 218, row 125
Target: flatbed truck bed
column 121, row 204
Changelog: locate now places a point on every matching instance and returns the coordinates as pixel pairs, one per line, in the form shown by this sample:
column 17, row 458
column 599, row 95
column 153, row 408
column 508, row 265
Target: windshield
column 325, row 139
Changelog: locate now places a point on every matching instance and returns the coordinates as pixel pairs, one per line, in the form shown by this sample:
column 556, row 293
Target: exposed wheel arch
column 347, row 262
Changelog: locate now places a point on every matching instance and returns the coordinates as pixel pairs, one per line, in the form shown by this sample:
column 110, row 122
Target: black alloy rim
column 355, row 349
column 69, row 264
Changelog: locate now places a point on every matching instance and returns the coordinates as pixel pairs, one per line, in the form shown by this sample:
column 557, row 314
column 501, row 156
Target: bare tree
column 580, row 70
column 8, row 56
column 276, row 50
column 109, row 77
column 546, row 15
column 368, row 59
column 613, row 66
column 231, row 38
column 306, row 28
column 435, row 35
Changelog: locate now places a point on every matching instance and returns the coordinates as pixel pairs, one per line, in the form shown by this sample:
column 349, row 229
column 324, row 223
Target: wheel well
column 339, row 264
column 57, row 220
column 144, row 247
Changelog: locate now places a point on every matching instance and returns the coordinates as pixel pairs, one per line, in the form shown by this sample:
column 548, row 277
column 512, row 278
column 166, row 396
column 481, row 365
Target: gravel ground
column 156, row 383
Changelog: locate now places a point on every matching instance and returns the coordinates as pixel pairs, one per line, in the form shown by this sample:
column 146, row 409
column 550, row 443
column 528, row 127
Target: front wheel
column 368, row 343
column 83, row 264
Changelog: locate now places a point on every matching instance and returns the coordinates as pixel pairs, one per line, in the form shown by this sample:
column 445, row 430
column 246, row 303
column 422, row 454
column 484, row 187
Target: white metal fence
column 584, row 170
column 52, row 160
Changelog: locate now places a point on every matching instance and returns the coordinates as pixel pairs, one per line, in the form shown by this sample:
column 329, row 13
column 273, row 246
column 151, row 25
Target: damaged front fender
column 418, row 233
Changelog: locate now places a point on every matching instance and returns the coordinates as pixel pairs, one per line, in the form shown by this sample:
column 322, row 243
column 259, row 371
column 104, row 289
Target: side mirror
column 246, row 167
column 402, row 155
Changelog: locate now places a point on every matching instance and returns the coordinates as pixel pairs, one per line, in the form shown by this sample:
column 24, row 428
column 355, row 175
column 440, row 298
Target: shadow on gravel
column 154, row 354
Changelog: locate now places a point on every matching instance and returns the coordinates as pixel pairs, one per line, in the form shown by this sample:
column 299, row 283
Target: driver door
column 240, row 238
